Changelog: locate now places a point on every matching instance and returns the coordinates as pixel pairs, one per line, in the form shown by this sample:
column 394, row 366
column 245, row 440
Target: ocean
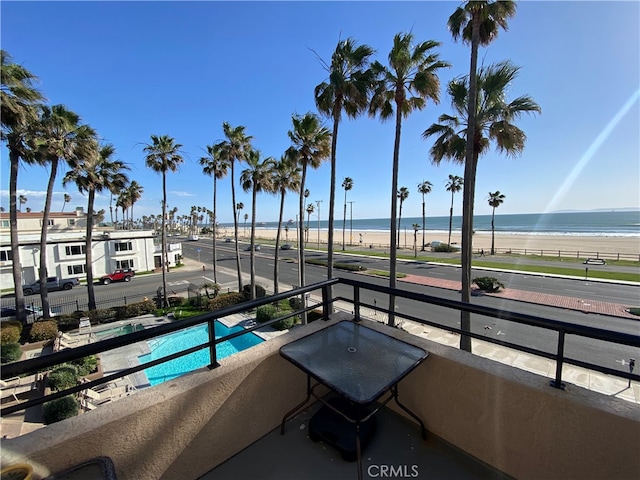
column 597, row 223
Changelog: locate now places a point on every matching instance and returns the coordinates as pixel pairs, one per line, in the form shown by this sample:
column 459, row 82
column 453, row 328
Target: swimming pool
column 190, row 337
column 120, row 330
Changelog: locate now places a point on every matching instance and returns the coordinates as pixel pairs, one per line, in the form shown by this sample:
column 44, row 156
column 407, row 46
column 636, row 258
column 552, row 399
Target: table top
column 356, row 361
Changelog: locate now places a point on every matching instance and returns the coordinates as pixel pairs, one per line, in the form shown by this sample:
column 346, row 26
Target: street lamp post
column 351, row 222
column 318, row 202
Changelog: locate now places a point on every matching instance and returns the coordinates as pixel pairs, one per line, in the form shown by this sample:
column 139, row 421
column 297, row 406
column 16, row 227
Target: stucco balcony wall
column 507, row 418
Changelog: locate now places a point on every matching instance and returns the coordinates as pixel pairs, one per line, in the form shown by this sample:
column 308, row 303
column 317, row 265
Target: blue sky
column 133, row 69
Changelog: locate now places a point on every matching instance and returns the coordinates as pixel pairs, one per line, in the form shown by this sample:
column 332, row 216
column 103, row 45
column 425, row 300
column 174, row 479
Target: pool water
column 190, row 337
column 122, row 330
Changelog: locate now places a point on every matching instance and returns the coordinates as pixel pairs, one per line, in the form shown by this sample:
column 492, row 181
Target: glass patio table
column 360, row 365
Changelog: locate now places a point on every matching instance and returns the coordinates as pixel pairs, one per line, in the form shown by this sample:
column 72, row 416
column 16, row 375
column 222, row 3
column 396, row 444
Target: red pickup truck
column 122, row 275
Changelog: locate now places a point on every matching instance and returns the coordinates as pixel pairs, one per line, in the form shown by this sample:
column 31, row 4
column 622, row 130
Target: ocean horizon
column 593, row 223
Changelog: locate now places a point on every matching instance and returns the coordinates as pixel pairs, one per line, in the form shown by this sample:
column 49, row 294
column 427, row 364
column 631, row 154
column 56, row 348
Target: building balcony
column 483, row 419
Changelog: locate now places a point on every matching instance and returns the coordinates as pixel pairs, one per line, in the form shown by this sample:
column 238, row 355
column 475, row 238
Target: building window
column 71, row 222
column 123, row 246
column 50, row 222
column 77, row 269
column 124, row 264
column 76, row 250
column 6, row 255
column 5, row 223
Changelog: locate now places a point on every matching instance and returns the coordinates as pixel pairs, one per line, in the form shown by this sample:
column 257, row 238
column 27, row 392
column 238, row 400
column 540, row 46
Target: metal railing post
column 356, row 302
column 326, row 303
column 212, row 345
column 557, row 383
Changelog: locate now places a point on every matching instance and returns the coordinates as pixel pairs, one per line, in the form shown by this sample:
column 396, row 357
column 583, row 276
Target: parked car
column 9, row 313
column 193, row 238
column 286, row 246
column 120, row 275
column 53, row 283
column 255, row 247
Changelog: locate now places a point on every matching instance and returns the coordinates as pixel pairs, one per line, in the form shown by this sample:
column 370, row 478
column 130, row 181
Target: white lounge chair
column 12, row 387
column 94, row 398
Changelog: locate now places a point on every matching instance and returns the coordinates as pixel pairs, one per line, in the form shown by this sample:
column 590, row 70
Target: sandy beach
column 569, row 245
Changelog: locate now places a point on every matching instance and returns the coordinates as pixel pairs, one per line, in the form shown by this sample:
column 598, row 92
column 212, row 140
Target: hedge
column 44, row 330
column 225, row 300
column 10, row 352
column 63, row 377
column 10, row 332
column 260, row 291
column 86, row 365
column 59, row 409
column 339, row 265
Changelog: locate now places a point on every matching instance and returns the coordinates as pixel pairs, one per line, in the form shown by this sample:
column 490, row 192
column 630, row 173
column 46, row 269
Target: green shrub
column 176, row 301
column 350, row 267
column 443, row 247
column 295, row 303
column 86, row 365
column 10, row 332
column 137, row 309
column 10, row 352
column 260, row 291
column 266, row 313
column 44, row 330
column 102, row 315
column 225, row 300
column 69, row 321
column 59, row 409
column 285, row 323
column 63, row 377
column 488, row 284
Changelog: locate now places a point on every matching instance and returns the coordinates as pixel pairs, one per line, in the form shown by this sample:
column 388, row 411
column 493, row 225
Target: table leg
column 358, row 451
column 295, row 409
column 395, row 396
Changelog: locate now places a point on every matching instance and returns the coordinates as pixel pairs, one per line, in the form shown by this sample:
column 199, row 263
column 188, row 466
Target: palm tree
column 231, row 150
column 134, row 193
column 22, row 200
column 310, row 209
column 348, row 88
column 163, row 155
column 94, row 173
column 477, row 22
column 122, row 202
column 405, row 86
column 347, row 184
column 424, row 188
column 216, row 167
column 493, row 122
column 416, row 227
column 454, row 185
column 403, row 194
column 285, row 176
column 58, row 136
column 495, row 200
column 256, row 178
column 19, row 102
column 67, row 199
column 311, row 144
column 246, row 217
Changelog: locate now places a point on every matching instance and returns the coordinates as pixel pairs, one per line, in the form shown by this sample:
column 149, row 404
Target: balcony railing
column 563, row 329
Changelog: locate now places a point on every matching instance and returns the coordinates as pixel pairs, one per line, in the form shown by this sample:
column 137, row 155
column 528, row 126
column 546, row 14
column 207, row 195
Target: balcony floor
column 397, row 443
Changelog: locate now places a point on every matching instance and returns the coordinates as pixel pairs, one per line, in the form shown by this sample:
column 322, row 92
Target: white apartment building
column 111, row 249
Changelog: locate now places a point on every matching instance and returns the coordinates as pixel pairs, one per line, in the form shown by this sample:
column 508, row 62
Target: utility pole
column 351, row 222
column 318, row 202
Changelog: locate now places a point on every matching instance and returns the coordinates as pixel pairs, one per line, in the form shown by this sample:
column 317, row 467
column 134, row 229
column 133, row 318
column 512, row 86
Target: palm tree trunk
column 163, row 241
column 400, row 220
column 275, row 263
column 235, row 227
column 424, row 223
column 21, row 314
column 332, row 199
column 111, row 207
column 42, row 270
column 450, row 219
column 493, row 231
column 301, row 240
column 344, row 218
column 89, row 253
column 252, row 243
column 394, row 191
column 469, row 185
column 214, row 230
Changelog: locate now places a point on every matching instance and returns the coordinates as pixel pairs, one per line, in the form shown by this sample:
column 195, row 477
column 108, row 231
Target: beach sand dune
column 569, row 245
